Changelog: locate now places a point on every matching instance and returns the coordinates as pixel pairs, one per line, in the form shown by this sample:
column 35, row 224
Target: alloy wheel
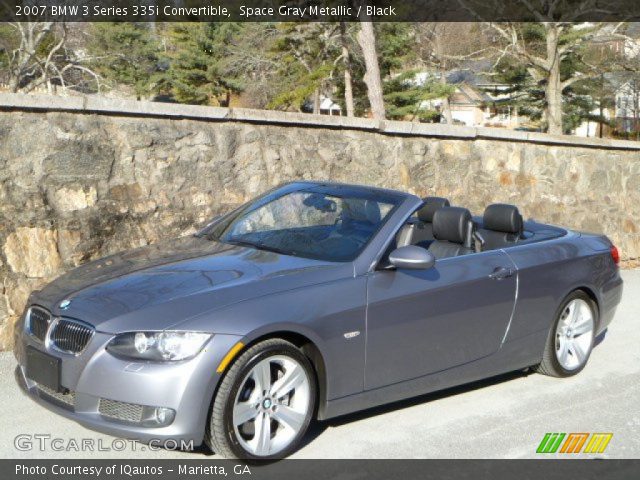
column 271, row 405
column 574, row 334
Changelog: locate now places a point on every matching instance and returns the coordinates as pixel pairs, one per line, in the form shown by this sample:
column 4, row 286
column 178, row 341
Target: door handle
column 501, row 272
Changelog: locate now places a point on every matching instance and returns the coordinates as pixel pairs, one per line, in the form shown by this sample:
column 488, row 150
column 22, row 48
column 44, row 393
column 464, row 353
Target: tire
column 569, row 345
column 283, row 420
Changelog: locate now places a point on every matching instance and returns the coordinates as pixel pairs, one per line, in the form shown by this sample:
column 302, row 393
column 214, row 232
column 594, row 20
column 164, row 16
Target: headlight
column 158, row 346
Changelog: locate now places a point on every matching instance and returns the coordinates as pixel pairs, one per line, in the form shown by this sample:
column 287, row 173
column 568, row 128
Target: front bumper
column 186, row 387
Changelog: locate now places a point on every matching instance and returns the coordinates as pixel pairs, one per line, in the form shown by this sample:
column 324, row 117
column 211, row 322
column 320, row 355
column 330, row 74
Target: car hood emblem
column 65, row 304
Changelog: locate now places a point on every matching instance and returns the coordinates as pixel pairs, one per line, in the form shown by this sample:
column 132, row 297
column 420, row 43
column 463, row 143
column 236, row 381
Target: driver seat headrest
column 363, row 210
column 429, row 207
column 452, row 224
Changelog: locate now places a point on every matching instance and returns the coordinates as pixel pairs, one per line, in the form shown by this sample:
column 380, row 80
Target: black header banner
column 319, row 11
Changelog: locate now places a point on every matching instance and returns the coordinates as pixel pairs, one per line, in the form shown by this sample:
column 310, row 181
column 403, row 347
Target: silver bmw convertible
column 312, row 301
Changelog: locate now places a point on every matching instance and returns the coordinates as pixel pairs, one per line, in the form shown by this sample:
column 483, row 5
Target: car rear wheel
column 571, row 338
column 264, row 404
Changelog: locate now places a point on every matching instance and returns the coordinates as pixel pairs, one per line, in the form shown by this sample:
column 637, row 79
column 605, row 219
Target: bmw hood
column 158, row 286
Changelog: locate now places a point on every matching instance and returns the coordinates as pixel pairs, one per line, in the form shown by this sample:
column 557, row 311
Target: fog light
column 157, row 416
column 163, row 414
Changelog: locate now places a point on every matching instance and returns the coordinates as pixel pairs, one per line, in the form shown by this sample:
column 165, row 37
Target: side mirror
column 412, row 257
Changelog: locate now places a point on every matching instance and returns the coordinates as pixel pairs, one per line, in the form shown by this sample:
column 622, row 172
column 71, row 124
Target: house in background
column 329, row 107
column 474, row 106
column 623, row 116
column 476, row 101
column 627, row 105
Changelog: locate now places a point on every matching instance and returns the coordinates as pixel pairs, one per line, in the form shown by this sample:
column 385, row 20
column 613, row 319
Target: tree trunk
column 446, row 105
column 600, row 121
column 553, row 89
column 439, row 51
column 316, row 102
column 367, row 41
column 14, row 83
column 348, row 84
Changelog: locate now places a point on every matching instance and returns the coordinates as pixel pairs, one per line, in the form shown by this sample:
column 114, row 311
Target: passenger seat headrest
column 431, row 204
column 452, row 224
column 502, row 218
column 362, row 210
column 372, row 209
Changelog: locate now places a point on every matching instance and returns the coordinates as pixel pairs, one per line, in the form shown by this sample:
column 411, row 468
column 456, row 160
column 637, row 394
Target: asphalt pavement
column 504, row 417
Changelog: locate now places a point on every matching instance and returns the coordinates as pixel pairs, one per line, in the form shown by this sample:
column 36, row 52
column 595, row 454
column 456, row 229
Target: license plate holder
column 43, row 369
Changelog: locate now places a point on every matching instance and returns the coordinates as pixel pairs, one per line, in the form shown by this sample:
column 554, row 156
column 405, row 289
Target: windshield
column 313, row 224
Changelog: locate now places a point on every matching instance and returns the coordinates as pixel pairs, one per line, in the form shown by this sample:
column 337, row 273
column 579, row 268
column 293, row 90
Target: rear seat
column 502, row 226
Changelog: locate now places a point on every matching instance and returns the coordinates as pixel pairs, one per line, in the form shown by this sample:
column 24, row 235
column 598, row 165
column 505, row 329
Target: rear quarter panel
column 547, row 272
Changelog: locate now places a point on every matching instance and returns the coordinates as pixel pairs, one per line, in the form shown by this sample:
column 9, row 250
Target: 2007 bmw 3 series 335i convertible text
column 311, row 301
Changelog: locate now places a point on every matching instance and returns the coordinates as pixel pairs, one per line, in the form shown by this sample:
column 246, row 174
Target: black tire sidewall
column 283, row 349
column 577, row 295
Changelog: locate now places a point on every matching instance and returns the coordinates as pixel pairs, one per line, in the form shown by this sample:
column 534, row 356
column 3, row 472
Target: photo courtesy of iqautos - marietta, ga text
column 323, row 239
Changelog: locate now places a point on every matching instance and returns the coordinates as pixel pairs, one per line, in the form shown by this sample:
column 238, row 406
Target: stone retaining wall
column 84, row 177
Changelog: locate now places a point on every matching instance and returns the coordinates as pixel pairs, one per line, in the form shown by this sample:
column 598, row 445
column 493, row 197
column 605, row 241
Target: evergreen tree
column 552, row 54
column 126, row 54
column 394, row 45
column 579, row 89
column 5, row 50
column 406, row 97
column 250, row 59
column 194, row 58
column 306, row 55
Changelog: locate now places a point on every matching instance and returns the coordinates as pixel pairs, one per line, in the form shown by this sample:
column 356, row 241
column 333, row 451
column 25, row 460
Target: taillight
column 615, row 254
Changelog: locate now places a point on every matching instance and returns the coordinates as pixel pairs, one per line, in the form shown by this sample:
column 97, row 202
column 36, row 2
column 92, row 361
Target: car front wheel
column 571, row 338
column 264, row 403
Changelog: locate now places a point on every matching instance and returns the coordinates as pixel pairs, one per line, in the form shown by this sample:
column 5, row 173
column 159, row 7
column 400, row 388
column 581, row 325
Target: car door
column 425, row 321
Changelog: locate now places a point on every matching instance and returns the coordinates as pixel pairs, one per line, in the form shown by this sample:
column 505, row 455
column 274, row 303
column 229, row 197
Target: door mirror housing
column 412, row 257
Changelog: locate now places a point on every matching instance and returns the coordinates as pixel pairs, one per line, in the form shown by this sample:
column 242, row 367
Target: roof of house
column 467, row 94
column 327, row 103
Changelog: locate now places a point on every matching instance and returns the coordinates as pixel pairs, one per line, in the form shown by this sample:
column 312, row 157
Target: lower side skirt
column 512, row 356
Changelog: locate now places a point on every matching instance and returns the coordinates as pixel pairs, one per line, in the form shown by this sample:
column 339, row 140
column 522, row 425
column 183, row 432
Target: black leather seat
column 452, row 229
column 420, row 231
column 502, row 226
column 423, row 233
column 359, row 218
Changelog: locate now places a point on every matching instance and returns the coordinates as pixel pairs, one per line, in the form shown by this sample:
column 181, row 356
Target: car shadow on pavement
column 317, row 428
